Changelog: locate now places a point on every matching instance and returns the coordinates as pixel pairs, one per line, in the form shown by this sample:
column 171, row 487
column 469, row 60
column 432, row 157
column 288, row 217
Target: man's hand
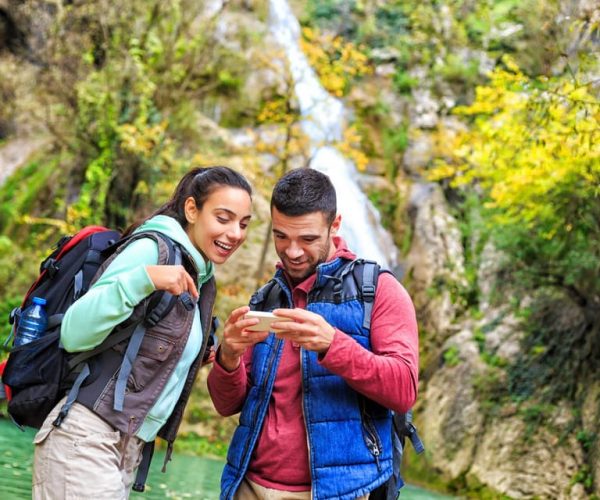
column 307, row 329
column 236, row 339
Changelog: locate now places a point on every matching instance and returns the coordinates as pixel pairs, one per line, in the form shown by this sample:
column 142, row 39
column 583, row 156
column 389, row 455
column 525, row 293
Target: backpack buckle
column 411, row 433
column 368, row 292
column 49, row 265
column 14, row 315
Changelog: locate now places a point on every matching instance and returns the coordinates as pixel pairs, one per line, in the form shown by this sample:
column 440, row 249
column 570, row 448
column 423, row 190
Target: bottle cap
column 39, row 301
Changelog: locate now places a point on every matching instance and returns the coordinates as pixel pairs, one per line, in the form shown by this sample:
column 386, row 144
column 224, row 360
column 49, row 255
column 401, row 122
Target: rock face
column 26, row 26
column 435, row 254
column 469, row 437
column 15, row 153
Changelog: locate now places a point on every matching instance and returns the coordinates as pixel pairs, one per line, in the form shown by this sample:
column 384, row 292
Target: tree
column 120, row 87
column 534, row 151
column 285, row 143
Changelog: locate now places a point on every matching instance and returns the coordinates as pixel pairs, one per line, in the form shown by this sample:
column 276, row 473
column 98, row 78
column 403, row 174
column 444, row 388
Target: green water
column 186, row 476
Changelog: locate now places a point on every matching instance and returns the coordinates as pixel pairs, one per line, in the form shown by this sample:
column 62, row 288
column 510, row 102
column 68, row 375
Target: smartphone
column 266, row 318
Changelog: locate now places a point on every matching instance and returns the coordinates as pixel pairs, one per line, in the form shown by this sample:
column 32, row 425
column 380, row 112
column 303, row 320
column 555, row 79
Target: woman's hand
column 236, row 339
column 173, row 279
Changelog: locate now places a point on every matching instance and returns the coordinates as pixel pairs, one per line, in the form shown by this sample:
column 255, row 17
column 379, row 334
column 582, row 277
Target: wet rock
column 452, row 419
column 425, row 111
column 418, row 154
column 512, row 460
column 436, row 256
column 385, row 54
column 503, row 333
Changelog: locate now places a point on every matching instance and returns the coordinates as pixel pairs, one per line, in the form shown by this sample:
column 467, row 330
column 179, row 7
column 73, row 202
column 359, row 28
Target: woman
column 97, row 448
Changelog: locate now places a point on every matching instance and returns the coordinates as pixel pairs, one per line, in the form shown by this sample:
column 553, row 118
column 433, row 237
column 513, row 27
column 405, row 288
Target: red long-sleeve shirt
column 388, row 375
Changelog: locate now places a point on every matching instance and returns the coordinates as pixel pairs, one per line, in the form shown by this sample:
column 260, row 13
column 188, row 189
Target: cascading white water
column 324, row 118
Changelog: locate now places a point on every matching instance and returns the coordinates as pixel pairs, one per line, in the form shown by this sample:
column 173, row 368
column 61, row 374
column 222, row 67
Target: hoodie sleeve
column 228, row 389
column 111, row 300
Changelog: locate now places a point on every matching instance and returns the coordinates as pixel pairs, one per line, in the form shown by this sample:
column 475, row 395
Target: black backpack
column 362, row 274
column 41, row 372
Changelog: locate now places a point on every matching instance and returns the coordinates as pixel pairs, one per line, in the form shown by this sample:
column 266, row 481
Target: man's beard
column 299, row 278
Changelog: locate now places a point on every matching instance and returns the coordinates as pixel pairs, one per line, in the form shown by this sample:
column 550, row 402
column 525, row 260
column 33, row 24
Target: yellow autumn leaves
column 532, row 144
column 335, row 60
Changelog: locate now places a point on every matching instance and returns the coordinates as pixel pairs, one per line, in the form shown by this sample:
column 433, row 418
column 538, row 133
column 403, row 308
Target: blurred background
column 464, row 140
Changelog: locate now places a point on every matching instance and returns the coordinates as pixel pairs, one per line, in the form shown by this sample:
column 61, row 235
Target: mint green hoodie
column 112, row 299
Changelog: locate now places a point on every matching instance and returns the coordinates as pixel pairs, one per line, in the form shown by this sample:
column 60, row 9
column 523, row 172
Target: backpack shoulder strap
column 365, row 274
column 370, row 273
column 159, row 305
column 160, row 302
column 267, row 297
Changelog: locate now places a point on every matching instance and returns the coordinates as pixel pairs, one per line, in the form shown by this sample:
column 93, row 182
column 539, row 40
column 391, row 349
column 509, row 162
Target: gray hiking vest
column 159, row 351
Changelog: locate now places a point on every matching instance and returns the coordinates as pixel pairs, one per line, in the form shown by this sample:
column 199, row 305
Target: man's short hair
column 304, row 191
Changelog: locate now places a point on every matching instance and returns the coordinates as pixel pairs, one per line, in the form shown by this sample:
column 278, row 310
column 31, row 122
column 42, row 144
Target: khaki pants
column 83, row 458
column 249, row 490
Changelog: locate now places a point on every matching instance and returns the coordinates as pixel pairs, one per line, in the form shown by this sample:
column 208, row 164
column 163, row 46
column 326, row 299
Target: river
column 186, row 476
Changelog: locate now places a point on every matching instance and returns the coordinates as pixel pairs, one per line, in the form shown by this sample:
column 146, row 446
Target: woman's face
column 220, row 226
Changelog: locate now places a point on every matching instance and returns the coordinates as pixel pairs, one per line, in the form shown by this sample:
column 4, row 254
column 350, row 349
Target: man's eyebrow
column 303, row 236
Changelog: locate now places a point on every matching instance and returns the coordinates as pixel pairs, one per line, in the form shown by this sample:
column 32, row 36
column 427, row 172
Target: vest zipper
column 257, row 407
column 305, row 421
column 372, row 440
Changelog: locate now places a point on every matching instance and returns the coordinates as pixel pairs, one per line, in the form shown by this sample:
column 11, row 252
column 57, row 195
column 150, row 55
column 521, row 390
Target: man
column 314, row 396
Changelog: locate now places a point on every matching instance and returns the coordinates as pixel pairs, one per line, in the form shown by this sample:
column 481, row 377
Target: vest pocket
column 157, row 348
column 153, row 351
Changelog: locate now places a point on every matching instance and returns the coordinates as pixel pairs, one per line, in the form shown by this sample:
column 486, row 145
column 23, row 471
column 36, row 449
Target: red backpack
column 38, row 374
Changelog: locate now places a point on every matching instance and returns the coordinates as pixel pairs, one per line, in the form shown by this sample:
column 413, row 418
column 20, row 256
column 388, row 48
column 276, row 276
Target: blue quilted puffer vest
column 349, row 436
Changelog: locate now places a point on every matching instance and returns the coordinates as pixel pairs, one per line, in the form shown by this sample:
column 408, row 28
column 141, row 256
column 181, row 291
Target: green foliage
column 132, row 70
column 388, row 21
column 585, row 476
column 490, row 388
column 387, row 204
column 193, row 444
column 420, row 470
column 534, row 415
column 15, row 277
column 197, row 414
column 452, row 356
column 469, row 485
column 403, row 82
column 532, row 155
column 26, row 192
column 587, row 439
column 395, row 142
column 333, row 15
column 552, row 363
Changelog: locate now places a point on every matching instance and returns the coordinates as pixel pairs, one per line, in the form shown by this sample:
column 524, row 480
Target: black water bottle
column 32, row 323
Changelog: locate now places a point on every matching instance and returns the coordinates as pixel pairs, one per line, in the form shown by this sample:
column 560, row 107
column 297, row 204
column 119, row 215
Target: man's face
column 303, row 242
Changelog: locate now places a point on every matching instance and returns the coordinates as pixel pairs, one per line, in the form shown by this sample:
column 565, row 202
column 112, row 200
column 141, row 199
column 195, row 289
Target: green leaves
column 532, row 149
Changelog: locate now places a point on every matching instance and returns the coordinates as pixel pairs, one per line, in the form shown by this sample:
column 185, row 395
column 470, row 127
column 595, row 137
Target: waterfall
column 323, row 122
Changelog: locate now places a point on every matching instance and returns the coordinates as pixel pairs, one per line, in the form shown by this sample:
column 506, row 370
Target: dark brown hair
column 199, row 183
column 303, row 191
